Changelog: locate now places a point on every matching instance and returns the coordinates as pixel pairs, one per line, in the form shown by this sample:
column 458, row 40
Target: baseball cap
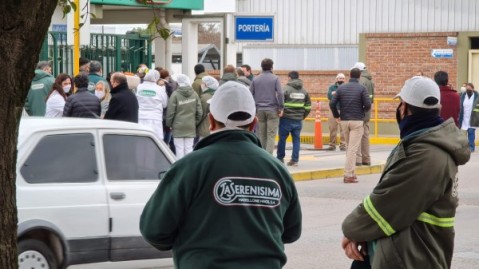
column 359, row 65
column 417, row 89
column 183, row 80
column 230, row 98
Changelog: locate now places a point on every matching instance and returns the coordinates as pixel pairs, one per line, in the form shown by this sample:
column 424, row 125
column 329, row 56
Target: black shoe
column 358, row 164
column 331, row 148
column 342, row 149
column 366, row 163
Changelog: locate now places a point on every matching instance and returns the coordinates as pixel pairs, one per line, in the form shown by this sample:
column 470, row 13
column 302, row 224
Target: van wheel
column 34, row 254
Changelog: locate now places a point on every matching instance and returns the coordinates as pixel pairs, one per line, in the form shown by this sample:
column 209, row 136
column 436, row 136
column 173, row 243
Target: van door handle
column 117, row 195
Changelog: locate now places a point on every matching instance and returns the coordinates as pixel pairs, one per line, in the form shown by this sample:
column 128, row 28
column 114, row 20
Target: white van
column 81, row 187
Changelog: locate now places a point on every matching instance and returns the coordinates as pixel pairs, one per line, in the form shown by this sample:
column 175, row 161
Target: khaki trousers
column 333, row 132
column 363, row 153
column 268, row 123
column 353, row 131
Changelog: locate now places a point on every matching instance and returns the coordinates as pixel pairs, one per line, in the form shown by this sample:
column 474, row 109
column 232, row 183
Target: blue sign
column 254, row 28
column 442, row 53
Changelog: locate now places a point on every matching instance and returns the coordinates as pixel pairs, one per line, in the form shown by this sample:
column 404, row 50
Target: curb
column 335, row 172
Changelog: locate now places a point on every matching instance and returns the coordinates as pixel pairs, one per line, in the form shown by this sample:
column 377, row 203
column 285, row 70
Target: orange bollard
column 318, row 130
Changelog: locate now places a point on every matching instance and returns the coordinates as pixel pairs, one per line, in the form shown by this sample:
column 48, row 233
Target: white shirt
column 467, row 111
column 55, row 104
column 152, row 99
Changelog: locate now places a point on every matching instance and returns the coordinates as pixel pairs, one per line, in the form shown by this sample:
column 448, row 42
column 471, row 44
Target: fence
column 115, row 52
column 374, row 117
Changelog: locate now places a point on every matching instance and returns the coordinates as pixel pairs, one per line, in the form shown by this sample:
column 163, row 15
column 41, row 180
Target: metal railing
column 115, row 52
column 375, row 109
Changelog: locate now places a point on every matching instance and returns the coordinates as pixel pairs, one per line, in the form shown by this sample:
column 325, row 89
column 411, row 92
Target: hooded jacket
column 203, row 129
column 184, row 112
column 409, row 216
column 228, row 204
column 123, row 104
column 228, row 77
column 42, row 83
column 297, row 103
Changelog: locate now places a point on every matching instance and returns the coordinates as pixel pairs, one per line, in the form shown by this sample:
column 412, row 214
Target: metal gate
column 115, row 52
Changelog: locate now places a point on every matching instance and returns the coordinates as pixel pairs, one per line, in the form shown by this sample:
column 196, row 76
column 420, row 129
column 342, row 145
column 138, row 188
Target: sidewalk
column 320, row 164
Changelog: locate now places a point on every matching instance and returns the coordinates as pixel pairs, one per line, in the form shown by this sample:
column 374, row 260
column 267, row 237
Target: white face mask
column 100, row 94
column 66, row 89
column 463, row 89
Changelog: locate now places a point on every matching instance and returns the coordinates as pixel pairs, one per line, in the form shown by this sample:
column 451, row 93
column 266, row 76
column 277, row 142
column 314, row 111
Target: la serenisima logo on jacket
column 245, row 191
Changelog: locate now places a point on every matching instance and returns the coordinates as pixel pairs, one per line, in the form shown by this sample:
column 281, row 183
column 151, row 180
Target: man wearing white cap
column 208, row 87
column 408, row 219
column 362, row 156
column 332, row 123
column 228, row 204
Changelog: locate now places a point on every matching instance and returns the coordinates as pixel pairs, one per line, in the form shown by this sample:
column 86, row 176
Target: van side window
column 64, row 158
column 129, row 157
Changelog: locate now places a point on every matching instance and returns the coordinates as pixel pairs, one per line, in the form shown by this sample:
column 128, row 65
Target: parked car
column 81, row 187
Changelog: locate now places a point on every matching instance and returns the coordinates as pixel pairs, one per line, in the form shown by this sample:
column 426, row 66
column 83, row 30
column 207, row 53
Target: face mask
column 100, row 94
column 66, row 89
column 463, row 89
column 340, row 82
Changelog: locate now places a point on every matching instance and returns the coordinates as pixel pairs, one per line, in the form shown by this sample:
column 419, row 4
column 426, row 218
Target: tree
column 23, row 27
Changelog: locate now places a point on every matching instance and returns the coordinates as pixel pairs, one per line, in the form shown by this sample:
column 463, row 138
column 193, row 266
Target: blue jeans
column 287, row 126
column 471, row 136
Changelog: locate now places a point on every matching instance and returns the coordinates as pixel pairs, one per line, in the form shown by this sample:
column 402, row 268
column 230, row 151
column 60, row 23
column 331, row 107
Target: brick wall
column 391, row 58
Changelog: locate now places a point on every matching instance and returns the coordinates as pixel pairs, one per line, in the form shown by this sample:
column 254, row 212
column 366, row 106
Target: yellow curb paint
column 335, row 172
column 309, row 139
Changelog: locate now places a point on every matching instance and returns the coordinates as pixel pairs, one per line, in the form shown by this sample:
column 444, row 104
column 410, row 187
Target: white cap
column 359, row 65
column 152, row 76
column 230, row 98
column 210, row 82
column 132, row 81
column 340, row 75
column 183, row 80
column 417, row 89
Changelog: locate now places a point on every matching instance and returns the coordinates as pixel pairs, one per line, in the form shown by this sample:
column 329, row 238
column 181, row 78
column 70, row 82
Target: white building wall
column 318, row 22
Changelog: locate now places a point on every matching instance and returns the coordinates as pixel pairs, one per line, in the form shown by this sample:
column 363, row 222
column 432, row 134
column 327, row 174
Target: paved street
column 326, row 202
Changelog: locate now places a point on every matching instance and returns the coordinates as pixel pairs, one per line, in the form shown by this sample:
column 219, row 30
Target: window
column 65, row 158
column 129, row 157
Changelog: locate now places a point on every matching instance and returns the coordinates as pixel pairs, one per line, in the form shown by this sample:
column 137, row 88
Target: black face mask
column 340, row 82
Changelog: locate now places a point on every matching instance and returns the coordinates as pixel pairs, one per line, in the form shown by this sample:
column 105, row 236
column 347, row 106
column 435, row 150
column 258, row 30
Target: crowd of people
column 233, row 180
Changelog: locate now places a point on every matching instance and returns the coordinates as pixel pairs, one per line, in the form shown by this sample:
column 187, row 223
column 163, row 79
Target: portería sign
column 248, row 28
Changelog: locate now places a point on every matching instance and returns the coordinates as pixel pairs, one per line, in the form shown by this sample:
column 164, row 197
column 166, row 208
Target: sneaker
column 292, row 163
column 342, row 149
column 331, row 148
column 358, row 164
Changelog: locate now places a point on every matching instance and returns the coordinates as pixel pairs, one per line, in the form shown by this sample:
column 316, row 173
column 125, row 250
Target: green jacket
column 408, row 219
column 42, row 83
column 197, row 82
column 203, row 129
column 228, row 204
column 297, row 103
column 367, row 81
column 228, row 77
column 184, row 112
